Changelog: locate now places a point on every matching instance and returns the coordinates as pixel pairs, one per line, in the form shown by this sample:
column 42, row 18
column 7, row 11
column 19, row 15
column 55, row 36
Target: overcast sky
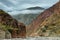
column 8, row 5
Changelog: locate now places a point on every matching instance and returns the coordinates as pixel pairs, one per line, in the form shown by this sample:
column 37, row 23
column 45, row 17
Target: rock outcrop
column 7, row 23
column 52, row 13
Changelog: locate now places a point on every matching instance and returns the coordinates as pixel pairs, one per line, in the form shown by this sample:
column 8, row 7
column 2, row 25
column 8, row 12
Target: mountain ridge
column 38, row 21
column 35, row 8
column 12, row 25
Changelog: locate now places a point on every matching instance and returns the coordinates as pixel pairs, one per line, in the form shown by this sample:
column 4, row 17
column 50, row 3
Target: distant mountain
column 30, row 8
column 47, row 23
column 35, row 8
column 25, row 11
column 7, row 23
column 25, row 18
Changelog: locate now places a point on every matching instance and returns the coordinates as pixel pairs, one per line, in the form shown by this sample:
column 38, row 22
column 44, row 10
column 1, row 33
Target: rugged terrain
column 47, row 23
column 11, row 25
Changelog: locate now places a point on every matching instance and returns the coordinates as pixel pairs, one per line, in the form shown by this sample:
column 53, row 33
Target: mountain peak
column 35, row 8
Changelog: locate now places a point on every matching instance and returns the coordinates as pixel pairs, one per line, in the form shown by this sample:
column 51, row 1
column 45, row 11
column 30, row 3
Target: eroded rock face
column 20, row 33
column 36, row 25
column 16, row 28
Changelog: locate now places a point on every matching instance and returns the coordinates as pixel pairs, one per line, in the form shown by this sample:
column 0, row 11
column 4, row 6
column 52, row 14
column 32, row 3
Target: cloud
column 14, row 5
column 21, row 4
column 6, row 2
column 5, row 7
column 2, row 6
column 15, row 2
column 25, row 12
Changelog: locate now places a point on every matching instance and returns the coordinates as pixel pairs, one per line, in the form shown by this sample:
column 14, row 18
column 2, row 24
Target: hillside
column 49, row 18
column 15, row 28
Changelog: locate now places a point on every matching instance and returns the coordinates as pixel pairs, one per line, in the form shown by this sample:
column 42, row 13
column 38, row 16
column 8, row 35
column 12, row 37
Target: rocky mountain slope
column 47, row 23
column 7, row 23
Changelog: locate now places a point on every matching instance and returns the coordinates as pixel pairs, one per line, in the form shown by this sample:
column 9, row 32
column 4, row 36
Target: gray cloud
column 13, row 5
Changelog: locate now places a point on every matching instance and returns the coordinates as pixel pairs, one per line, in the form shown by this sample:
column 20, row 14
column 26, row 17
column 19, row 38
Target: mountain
column 47, row 23
column 7, row 23
column 25, row 18
column 35, row 8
